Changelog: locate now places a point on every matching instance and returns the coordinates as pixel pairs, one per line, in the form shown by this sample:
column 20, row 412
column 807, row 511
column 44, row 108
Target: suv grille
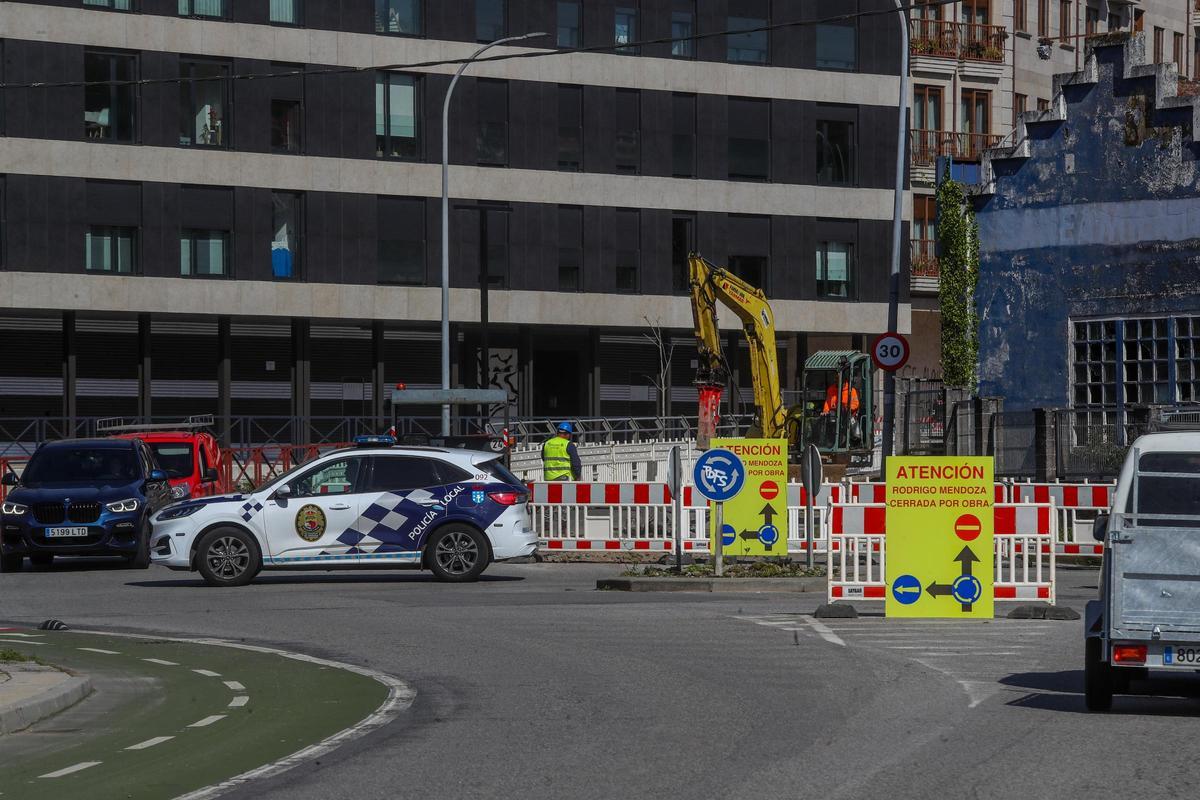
column 84, row 512
column 49, row 513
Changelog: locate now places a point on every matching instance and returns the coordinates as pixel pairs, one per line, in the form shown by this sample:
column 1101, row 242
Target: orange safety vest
column 849, row 397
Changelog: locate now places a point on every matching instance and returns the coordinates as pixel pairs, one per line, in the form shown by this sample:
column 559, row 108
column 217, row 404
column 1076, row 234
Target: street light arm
column 446, row 213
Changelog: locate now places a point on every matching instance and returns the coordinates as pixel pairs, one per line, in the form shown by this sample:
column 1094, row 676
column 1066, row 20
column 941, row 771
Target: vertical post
column 69, row 371
column 378, row 377
column 889, row 378
column 718, row 535
column 485, row 346
column 145, row 383
column 675, row 481
column 225, row 380
column 808, row 527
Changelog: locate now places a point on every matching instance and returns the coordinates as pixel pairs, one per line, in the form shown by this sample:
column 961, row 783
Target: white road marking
column 23, row 635
column 825, row 633
column 100, row 650
column 960, row 653
column 235, row 686
column 958, row 648
column 204, row 723
column 162, row 661
column 239, row 701
column 150, row 742
column 72, row 769
column 208, row 673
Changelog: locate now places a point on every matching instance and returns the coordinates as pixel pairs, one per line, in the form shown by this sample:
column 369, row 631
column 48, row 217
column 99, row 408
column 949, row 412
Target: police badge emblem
column 310, row 523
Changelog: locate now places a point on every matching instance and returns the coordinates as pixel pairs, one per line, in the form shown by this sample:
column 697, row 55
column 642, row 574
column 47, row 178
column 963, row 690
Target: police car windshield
column 58, row 466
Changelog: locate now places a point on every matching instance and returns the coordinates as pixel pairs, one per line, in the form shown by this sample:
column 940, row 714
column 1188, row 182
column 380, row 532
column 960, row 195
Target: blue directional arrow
column 906, row 589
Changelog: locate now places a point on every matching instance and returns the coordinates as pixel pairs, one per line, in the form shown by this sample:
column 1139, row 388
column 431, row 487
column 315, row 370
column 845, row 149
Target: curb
column 792, row 585
column 22, row 714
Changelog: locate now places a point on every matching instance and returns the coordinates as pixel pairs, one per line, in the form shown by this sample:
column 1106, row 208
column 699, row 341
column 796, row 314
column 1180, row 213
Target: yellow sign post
column 755, row 521
column 939, row 537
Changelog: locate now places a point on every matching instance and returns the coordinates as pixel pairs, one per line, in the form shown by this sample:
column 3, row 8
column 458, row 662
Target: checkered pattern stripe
column 250, row 509
column 384, row 527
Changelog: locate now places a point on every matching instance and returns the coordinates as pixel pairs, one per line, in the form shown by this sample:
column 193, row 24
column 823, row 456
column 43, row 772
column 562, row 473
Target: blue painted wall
column 1096, row 214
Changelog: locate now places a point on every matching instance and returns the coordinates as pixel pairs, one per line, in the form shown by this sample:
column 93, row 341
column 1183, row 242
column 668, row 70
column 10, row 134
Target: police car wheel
column 228, row 557
column 457, row 553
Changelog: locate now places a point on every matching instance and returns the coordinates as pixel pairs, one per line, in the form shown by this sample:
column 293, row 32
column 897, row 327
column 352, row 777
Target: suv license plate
column 65, row 533
column 1181, row 655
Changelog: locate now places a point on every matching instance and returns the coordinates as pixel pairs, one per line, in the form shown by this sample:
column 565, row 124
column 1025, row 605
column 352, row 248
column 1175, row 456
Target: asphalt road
column 531, row 684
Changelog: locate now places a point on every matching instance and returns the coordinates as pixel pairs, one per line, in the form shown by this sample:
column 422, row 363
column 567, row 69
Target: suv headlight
column 177, row 512
column 180, row 492
column 13, row 509
column 123, row 506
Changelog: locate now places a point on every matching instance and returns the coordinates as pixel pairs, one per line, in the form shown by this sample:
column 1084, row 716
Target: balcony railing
column 928, row 145
column 966, row 40
column 924, row 263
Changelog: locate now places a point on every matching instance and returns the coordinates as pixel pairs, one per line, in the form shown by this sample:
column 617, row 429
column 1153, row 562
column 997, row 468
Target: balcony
column 926, row 146
column 962, row 40
column 923, row 270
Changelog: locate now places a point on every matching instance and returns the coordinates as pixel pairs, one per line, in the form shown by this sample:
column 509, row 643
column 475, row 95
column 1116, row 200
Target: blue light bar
column 375, row 440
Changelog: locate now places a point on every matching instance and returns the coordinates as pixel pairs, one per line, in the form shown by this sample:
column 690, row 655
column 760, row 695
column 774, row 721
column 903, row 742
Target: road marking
column 70, row 770
column 204, row 723
column 100, row 650
column 208, row 673
column 825, row 633
column 150, row 742
column 24, row 635
column 162, row 661
column 235, row 686
column 960, row 653
column 958, row 648
column 239, row 701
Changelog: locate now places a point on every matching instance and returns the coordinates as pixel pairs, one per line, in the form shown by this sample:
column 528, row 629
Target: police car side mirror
column 283, row 492
column 1100, row 527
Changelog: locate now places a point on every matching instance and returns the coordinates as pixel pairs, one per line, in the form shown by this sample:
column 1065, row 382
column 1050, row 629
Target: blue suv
column 82, row 497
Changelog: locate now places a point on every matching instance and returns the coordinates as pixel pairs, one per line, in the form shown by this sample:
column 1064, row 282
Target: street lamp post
column 446, row 215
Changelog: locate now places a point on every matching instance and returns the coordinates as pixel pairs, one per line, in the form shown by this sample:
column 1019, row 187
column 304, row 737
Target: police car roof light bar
column 375, row 440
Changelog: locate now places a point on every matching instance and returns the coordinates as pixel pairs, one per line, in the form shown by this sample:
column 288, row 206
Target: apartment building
column 233, row 206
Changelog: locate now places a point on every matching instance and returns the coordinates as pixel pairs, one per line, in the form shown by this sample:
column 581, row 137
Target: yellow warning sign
column 756, row 520
column 939, row 537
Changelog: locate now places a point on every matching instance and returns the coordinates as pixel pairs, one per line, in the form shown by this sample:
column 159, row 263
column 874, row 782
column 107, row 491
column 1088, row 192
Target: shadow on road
column 342, row 578
column 1063, row 691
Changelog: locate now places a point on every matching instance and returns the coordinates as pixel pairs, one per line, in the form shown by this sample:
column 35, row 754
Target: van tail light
column 507, row 498
column 1129, row 654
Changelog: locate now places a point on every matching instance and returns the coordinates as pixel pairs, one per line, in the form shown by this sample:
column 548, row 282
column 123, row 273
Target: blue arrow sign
column 719, row 475
column 906, row 589
column 728, row 535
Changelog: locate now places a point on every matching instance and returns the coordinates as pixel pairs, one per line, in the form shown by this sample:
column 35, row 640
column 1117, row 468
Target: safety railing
column 966, row 40
column 923, row 262
column 927, row 145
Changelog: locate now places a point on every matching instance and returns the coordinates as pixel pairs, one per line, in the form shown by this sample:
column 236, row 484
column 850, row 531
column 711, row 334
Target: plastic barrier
column 1070, row 499
column 1024, row 555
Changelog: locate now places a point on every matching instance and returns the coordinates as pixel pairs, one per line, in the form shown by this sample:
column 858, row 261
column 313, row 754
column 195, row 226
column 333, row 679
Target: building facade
column 231, row 207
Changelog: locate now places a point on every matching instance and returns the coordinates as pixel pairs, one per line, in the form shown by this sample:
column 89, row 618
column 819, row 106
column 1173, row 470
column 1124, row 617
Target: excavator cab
column 838, row 403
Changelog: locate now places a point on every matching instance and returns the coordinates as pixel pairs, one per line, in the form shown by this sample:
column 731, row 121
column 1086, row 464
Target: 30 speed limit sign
column 889, row 351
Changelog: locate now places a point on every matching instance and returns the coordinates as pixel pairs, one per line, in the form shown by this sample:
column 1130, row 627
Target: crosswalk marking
column 204, row 723
column 100, row 650
column 162, row 662
column 150, row 743
column 71, row 769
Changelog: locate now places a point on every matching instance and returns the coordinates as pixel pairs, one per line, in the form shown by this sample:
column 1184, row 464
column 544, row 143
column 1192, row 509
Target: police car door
column 316, row 522
column 408, row 498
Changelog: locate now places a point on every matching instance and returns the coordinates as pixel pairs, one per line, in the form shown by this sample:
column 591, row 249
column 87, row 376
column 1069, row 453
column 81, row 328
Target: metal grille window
column 396, row 131
column 203, row 8
column 683, row 25
column 1146, row 377
column 627, row 150
column 1187, row 359
column 492, row 116
column 285, row 12
column 568, row 25
column 628, row 254
column 570, row 128
column 835, row 270
column 750, row 47
column 111, row 249
column 625, row 29
column 109, row 110
column 398, row 16
column 203, row 104
column 490, row 20
column 204, row 253
column 1094, row 364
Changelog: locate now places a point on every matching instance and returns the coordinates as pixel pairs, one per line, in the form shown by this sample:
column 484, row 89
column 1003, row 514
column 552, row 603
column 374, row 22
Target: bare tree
column 666, row 351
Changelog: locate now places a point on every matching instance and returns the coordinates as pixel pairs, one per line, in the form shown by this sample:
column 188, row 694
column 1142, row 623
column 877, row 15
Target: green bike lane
column 180, row 715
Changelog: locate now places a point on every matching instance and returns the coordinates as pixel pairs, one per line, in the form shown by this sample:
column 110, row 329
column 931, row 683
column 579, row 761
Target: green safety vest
column 556, row 464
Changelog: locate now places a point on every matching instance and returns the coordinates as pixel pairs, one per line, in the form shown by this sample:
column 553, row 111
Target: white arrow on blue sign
column 719, row 475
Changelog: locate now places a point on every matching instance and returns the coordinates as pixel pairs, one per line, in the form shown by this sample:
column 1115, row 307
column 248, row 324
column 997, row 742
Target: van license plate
column 65, row 533
column 1181, row 655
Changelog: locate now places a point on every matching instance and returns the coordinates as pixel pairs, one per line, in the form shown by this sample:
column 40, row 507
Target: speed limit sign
column 889, row 351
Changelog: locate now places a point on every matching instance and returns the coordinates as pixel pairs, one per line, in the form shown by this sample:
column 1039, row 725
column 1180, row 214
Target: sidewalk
column 30, row 692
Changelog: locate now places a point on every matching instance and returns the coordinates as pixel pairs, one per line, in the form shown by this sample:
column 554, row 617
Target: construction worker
column 849, row 398
column 560, row 457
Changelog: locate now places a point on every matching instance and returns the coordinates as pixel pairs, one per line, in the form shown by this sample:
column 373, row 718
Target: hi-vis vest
column 556, row 464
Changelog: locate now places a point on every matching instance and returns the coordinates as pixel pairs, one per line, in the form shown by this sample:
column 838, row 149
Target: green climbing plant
column 958, row 247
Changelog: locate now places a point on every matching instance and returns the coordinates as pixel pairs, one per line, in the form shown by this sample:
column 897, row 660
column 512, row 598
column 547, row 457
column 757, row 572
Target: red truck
column 187, row 452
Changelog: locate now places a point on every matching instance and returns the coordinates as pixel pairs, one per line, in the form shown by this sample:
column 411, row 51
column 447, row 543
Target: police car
column 450, row 511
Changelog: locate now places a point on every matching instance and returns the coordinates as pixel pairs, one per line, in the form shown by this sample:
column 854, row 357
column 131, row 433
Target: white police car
column 450, row 511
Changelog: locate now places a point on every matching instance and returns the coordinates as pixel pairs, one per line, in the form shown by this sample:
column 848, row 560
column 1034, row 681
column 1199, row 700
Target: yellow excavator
column 843, row 431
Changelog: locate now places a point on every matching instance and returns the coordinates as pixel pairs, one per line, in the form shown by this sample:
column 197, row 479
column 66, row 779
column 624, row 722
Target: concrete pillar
column 225, row 380
column 378, row 377
column 145, row 382
column 1045, row 443
column 70, row 372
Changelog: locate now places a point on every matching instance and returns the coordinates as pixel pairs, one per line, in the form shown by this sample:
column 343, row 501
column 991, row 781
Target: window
column 204, row 253
column 749, row 139
column 627, row 149
column 927, row 124
column 203, row 103
column 629, row 252
column 494, row 244
column 115, row 5
column 111, row 249
column 286, row 221
column 1065, row 18
column 625, row 29
column 836, row 47
column 1196, row 58
column 398, row 16
column 683, row 135
column 1158, row 45
column 749, row 248
column 975, row 122
column 1146, row 357
column 1043, row 104
column 1020, row 104
column 835, row 270
column 569, row 35
column 835, row 152
column 490, row 23
column 683, row 244
column 1091, row 21
column 492, row 115
column 1114, row 22
column 401, row 253
column 400, row 473
column 202, row 8
column 924, row 236
column 747, row 48
column 570, row 128
column 285, row 126
column 976, row 12
column 1019, row 16
column 1187, row 359
column 396, row 134
column 570, row 249
column 683, row 25
column 1177, row 52
column 1139, row 20
column 110, row 110
column 285, row 12
column 344, row 476
column 1043, row 21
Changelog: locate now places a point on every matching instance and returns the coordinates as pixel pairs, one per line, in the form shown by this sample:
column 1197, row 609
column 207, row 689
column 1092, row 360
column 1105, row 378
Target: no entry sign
column 889, row 351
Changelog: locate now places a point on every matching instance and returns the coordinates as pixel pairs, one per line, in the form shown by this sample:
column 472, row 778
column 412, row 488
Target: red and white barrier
column 1092, row 496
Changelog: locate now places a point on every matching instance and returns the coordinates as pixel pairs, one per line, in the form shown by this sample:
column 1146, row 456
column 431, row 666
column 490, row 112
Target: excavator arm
column 710, row 284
